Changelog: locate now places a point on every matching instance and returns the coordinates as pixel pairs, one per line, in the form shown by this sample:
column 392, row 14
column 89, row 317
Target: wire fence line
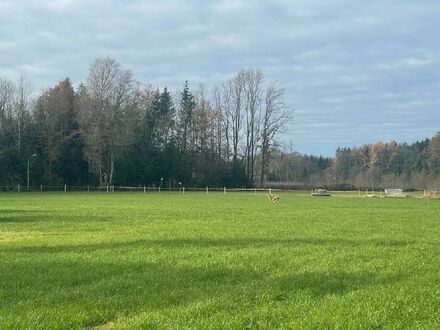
column 139, row 189
column 158, row 189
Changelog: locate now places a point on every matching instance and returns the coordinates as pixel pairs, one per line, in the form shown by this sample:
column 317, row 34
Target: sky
column 354, row 72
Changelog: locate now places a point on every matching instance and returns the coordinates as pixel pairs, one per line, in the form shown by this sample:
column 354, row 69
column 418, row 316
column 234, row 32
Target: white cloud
column 6, row 46
column 406, row 63
column 60, row 5
column 228, row 5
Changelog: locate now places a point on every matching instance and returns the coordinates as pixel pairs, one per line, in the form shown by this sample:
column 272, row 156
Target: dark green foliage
column 186, row 118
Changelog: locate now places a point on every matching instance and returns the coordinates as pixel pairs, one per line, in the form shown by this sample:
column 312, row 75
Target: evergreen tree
column 186, row 117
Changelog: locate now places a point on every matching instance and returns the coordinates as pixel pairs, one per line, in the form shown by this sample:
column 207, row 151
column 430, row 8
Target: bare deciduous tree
column 226, row 106
column 236, row 113
column 434, row 153
column 253, row 93
column 274, row 118
column 107, row 115
column 218, row 106
column 6, row 100
column 20, row 110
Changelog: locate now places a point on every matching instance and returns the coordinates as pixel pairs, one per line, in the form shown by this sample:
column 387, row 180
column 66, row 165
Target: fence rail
column 144, row 189
column 147, row 189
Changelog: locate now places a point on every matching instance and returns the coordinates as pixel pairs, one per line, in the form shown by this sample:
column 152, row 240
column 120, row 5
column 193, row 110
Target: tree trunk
column 112, row 170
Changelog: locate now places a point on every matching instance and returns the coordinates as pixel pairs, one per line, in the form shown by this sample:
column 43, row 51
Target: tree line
column 377, row 165
column 112, row 130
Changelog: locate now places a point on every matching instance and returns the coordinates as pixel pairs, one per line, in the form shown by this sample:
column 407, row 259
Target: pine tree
column 186, row 114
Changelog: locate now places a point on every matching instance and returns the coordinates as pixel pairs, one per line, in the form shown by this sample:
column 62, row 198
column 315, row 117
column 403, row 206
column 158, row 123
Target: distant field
column 133, row 260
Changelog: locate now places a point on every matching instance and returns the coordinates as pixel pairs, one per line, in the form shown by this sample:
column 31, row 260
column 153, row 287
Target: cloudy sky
column 354, row 71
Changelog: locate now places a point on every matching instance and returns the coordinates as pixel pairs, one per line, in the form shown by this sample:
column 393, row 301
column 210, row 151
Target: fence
column 139, row 189
column 181, row 190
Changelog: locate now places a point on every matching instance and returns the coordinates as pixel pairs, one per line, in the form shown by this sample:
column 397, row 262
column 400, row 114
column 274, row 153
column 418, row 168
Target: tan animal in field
column 273, row 198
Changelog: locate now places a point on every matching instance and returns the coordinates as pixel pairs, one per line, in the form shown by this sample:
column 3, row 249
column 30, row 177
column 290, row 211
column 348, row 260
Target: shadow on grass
column 319, row 284
column 210, row 243
column 99, row 292
column 18, row 211
column 21, row 216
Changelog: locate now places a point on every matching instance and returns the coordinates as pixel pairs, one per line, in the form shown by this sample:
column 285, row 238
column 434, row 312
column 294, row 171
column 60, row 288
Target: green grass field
column 133, row 260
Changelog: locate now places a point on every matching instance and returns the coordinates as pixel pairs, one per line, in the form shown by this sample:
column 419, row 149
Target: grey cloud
column 356, row 72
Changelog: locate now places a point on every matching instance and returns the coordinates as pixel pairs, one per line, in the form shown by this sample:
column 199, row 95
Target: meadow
column 234, row 261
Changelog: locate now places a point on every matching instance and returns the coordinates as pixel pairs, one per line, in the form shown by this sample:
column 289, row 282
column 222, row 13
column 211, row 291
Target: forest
column 378, row 165
column 113, row 130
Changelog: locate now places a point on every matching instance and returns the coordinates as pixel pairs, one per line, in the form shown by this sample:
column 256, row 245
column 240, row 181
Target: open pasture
column 133, row 260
